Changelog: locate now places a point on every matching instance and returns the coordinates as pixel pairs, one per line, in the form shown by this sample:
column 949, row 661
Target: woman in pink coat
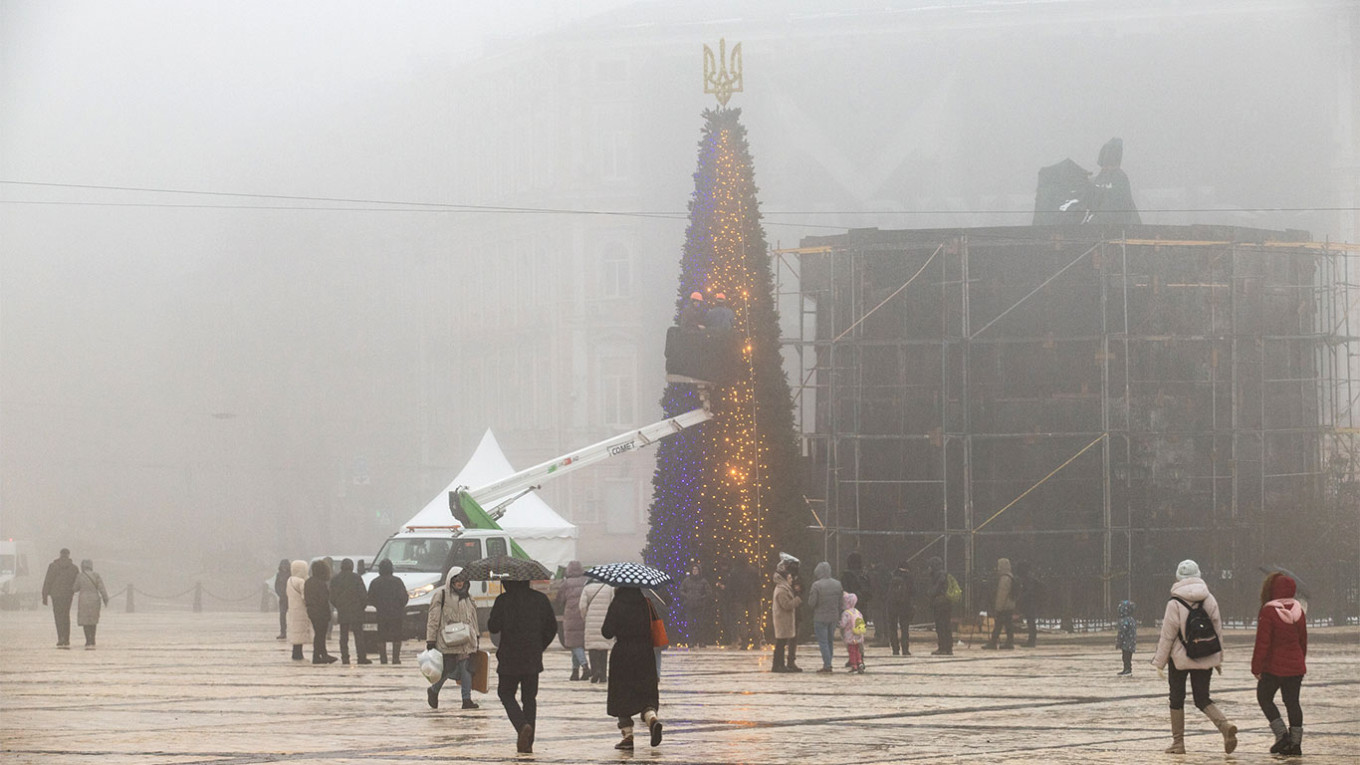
column 1190, row 592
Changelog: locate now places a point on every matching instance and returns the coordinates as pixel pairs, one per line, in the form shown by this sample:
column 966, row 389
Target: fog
column 188, row 389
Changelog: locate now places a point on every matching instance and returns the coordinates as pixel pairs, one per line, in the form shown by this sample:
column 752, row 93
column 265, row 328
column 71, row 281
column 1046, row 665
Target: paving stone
column 217, row 689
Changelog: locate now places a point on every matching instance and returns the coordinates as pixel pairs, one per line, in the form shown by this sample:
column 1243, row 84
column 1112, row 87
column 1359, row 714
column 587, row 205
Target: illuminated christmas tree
column 729, row 490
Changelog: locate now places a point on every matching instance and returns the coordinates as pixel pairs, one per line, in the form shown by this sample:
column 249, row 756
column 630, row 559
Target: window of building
column 616, row 271
column 618, row 384
column 620, row 507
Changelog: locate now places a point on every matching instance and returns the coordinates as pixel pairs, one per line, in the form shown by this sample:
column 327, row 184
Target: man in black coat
column 899, row 610
column 941, row 607
column 349, row 598
column 60, row 586
column 281, row 590
column 316, row 595
column 388, row 597
column 527, row 625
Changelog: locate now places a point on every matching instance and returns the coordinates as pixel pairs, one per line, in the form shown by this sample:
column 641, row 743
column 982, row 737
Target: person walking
column 59, row 586
column 826, row 599
column 281, row 592
column 634, row 687
column 90, row 586
column 594, row 605
column 1278, row 660
column 452, row 627
column 941, row 607
column 696, row 595
column 388, row 597
column 853, row 630
column 350, row 598
column 316, row 594
column 1005, row 606
column 1191, row 625
column 527, row 625
column 785, row 604
column 1127, row 639
column 573, row 621
column 900, row 588
column 299, row 626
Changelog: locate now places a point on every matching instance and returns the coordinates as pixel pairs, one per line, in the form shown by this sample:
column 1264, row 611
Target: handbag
column 659, row 638
column 456, row 634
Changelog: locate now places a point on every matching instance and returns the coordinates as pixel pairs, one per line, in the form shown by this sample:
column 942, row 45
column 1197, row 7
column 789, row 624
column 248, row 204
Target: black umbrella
column 629, row 575
column 504, row 567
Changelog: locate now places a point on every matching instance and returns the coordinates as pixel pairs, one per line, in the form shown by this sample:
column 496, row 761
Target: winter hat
column 1187, row 570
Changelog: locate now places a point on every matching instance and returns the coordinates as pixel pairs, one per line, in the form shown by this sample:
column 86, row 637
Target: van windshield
column 6, row 564
column 428, row 555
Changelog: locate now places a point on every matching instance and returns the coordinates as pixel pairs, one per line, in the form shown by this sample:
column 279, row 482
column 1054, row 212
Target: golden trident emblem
column 722, row 76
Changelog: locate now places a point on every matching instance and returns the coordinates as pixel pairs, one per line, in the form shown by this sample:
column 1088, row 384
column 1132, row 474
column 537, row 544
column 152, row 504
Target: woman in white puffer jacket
column 595, row 600
column 299, row 625
column 1188, row 592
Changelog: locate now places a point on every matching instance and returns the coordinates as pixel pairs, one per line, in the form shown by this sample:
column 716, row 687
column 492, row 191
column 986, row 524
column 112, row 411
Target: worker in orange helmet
column 693, row 312
column 719, row 315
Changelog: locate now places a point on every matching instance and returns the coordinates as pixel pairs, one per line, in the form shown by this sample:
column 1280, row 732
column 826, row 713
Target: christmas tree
column 729, row 490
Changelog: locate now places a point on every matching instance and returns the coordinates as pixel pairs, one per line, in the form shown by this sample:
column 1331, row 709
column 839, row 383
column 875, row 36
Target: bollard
column 198, row 597
column 265, row 604
column 131, row 605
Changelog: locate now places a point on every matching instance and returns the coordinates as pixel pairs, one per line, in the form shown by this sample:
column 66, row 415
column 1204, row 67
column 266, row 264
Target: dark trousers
column 283, row 616
column 1128, row 662
column 1199, row 686
column 944, row 632
column 1003, row 619
column 780, row 646
column 599, row 663
column 319, row 627
column 527, row 685
column 1032, row 627
column 61, row 612
column 347, row 629
column 1289, row 691
column 381, row 650
column 895, row 622
column 90, row 628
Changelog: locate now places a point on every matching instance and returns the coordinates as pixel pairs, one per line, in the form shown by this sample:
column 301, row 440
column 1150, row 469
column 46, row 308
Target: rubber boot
column 1177, row 732
column 297, row 652
column 1281, row 732
column 1228, row 730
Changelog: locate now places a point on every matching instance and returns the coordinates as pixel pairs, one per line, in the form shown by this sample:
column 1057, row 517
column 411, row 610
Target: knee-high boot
column 1177, row 732
column 1224, row 726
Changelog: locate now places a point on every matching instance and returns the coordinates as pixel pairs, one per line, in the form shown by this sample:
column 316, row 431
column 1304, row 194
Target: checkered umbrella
column 629, row 575
column 504, row 567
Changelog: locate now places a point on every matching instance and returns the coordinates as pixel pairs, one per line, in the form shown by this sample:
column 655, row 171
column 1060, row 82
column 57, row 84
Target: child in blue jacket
column 1127, row 640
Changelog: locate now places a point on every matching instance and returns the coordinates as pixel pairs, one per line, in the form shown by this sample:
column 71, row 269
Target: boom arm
column 533, row 478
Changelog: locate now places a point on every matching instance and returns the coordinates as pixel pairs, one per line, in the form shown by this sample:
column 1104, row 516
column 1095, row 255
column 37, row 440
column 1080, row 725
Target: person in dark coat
column 720, row 316
column 692, row 314
column 633, row 683
column 388, row 597
column 743, row 593
column 316, row 594
column 900, row 588
column 696, row 595
column 281, row 590
column 941, row 608
column 60, row 586
column 573, row 621
column 527, row 625
column 349, row 598
column 1027, row 600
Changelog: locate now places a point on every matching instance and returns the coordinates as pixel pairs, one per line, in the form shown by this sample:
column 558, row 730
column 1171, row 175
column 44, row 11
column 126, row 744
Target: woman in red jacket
column 1277, row 662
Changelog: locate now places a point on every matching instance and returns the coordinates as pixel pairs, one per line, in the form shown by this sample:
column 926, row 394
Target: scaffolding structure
column 1101, row 403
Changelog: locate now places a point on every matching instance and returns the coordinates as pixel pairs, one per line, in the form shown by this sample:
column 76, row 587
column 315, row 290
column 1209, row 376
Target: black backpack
column 1198, row 634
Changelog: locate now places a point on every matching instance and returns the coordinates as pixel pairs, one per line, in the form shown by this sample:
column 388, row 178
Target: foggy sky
column 153, row 360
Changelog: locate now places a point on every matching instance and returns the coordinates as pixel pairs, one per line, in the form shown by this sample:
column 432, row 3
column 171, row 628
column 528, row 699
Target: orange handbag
column 659, row 639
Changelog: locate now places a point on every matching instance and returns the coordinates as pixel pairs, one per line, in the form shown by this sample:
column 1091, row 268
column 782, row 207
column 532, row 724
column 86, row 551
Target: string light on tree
column 729, row 490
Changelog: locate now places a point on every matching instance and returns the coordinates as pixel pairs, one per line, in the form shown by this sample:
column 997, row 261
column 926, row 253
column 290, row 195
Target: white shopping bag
column 431, row 664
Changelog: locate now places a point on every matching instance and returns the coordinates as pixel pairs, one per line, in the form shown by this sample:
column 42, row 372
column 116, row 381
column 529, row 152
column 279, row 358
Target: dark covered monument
column 1098, row 401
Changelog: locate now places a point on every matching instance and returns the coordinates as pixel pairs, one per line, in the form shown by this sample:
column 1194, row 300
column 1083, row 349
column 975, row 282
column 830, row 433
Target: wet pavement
column 216, row 688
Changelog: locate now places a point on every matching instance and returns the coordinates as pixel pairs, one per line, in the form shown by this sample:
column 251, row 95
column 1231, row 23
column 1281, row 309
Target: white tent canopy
column 546, row 536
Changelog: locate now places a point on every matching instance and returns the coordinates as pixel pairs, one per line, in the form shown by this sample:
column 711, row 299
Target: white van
column 420, row 556
column 19, row 586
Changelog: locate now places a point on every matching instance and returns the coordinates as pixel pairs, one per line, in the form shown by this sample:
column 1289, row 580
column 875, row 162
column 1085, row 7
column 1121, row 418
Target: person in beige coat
column 90, row 590
column 595, row 600
column 1190, row 589
column 299, row 625
column 453, row 605
column 1005, row 606
column 783, row 608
